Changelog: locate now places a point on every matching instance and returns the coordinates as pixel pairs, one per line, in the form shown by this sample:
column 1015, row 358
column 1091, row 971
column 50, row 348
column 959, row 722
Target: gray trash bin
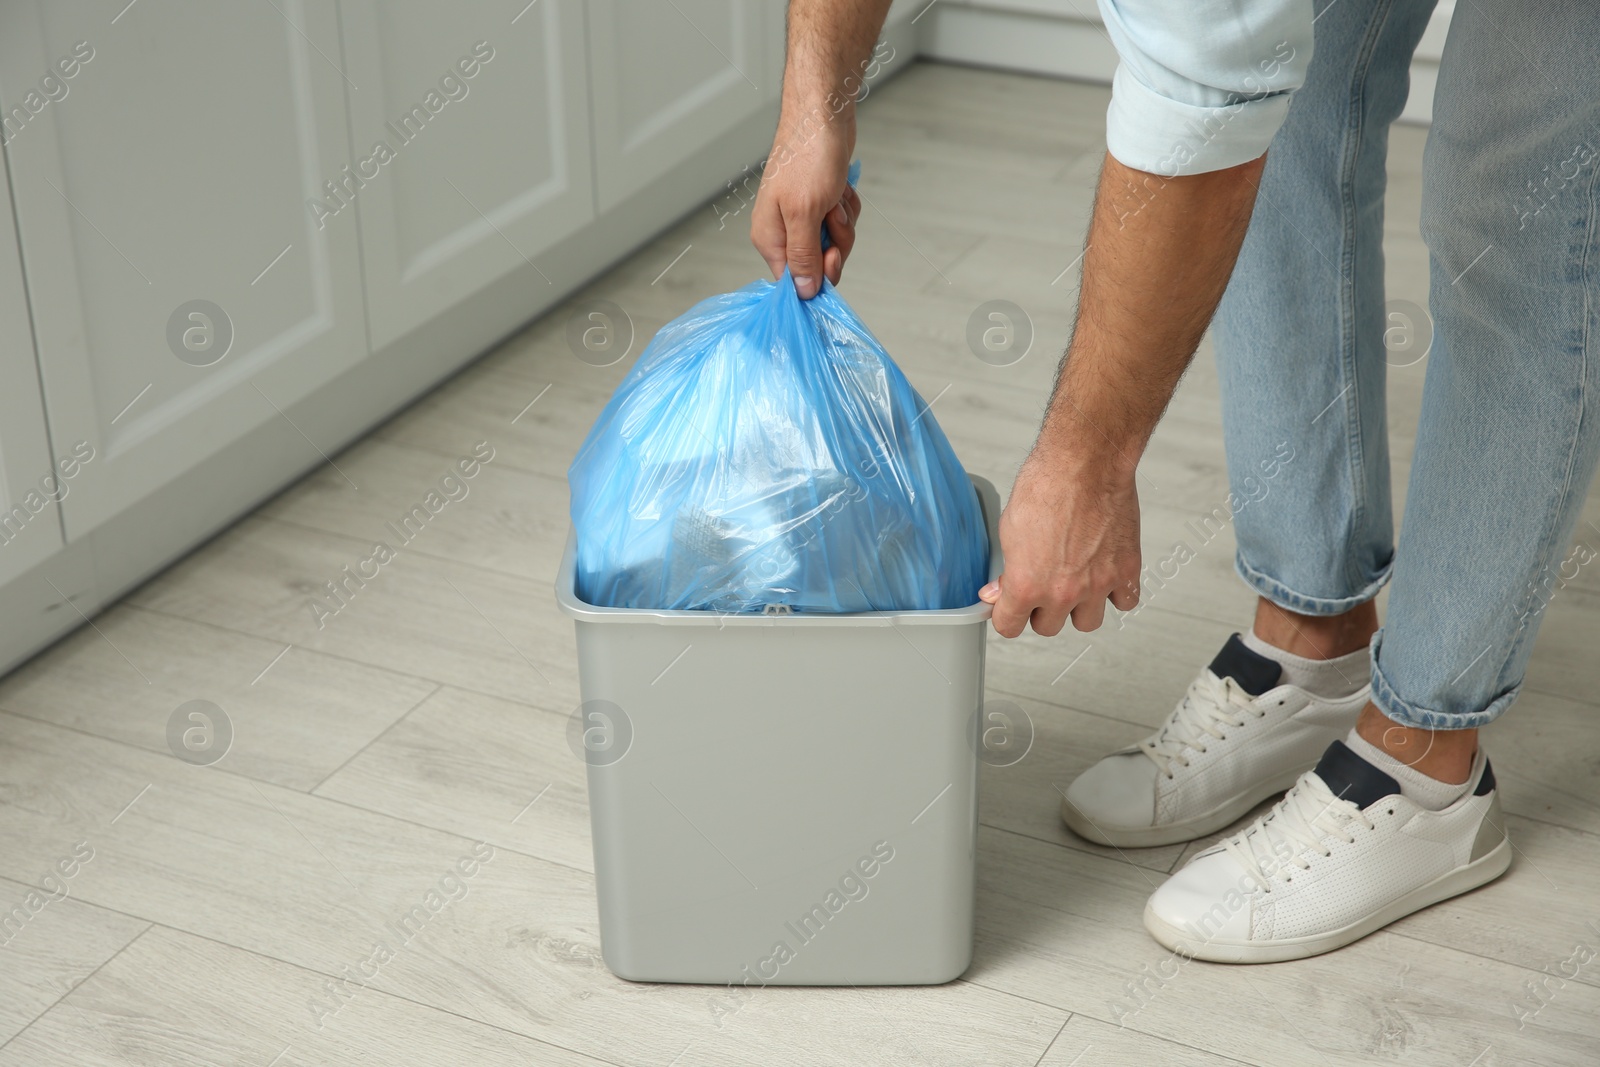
column 787, row 800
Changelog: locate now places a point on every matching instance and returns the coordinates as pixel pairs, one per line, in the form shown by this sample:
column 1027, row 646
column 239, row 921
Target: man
column 1401, row 810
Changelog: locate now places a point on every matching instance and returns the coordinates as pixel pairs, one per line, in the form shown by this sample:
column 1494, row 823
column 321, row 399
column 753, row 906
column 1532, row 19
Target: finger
column 1049, row 621
column 1089, row 614
column 833, row 265
column 767, row 234
column 990, row 593
column 803, row 253
column 842, row 230
column 1126, row 598
column 1011, row 614
column 852, row 204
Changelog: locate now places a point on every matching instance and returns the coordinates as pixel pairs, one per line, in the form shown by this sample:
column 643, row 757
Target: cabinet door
column 670, row 78
column 482, row 114
column 30, row 527
column 182, row 290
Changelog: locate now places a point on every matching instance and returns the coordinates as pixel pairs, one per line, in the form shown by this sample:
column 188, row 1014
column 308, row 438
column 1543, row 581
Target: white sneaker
column 1342, row 855
column 1237, row 738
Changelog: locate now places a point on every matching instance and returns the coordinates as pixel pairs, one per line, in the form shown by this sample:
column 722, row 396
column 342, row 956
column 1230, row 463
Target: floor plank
column 488, row 768
column 502, row 518
column 50, row 941
column 176, row 999
column 1084, row 1041
column 295, row 715
column 449, row 621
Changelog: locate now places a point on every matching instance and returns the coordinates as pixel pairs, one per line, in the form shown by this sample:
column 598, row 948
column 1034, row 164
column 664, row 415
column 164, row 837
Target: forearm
column 803, row 180
column 1159, row 255
column 829, row 51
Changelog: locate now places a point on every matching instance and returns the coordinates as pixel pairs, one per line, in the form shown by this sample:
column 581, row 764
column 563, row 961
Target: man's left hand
column 1070, row 535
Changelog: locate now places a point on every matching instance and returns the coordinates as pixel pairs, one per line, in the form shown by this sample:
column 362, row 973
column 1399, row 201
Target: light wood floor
column 371, row 752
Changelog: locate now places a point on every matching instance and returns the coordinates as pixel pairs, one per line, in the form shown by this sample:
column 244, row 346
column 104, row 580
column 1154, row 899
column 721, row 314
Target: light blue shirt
column 1202, row 84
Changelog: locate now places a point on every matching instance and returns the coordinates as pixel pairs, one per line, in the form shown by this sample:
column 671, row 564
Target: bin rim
column 976, row 613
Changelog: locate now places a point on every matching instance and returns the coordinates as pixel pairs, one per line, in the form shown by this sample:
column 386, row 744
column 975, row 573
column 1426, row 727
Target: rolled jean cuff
column 1408, row 714
column 1281, row 595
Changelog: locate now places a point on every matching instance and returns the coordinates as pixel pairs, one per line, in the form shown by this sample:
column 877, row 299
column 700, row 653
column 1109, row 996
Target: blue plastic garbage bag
column 765, row 454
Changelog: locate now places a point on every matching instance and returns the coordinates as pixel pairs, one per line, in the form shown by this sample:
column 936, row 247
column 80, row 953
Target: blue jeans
column 1509, row 433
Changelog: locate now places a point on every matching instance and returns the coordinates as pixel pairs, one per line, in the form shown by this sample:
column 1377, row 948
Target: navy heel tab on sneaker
column 1254, row 672
column 1486, row 783
column 1353, row 778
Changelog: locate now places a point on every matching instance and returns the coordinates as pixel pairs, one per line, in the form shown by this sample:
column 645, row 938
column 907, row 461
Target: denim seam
column 1402, row 711
column 1558, row 507
column 1354, row 131
column 1348, row 342
column 1263, row 584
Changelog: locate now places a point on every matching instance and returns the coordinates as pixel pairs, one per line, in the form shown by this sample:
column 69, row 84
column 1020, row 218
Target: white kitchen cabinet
column 669, row 78
column 216, row 280
column 30, row 526
column 177, row 167
column 482, row 112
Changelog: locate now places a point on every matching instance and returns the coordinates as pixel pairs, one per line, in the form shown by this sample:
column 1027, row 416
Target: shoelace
column 1210, row 704
column 1306, row 817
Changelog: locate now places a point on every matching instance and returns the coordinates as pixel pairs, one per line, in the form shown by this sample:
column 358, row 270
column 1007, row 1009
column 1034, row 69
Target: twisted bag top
column 765, row 453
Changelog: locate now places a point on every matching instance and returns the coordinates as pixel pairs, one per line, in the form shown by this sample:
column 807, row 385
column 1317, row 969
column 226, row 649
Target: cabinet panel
column 474, row 118
column 670, row 78
column 182, row 289
column 30, row 485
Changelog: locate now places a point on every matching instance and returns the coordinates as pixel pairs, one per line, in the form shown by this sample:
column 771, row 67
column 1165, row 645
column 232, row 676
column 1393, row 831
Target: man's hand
column 1070, row 535
column 1159, row 255
column 829, row 50
column 803, row 184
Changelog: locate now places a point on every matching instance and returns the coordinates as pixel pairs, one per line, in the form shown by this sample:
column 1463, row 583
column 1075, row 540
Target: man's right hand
column 804, row 184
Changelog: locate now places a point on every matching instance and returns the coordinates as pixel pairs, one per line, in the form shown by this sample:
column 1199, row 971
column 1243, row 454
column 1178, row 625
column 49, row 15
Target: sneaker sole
column 1210, row 822
column 1220, row 950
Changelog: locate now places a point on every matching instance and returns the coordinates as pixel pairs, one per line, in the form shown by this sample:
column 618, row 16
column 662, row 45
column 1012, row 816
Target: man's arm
column 1159, row 255
column 1201, row 88
column 829, row 53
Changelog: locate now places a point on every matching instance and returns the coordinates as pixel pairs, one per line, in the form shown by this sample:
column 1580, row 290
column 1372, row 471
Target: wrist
column 1073, row 439
column 816, row 98
column 805, row 118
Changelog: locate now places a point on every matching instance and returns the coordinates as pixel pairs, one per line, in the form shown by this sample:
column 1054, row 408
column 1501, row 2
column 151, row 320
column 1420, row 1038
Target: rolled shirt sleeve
column 1202, row 84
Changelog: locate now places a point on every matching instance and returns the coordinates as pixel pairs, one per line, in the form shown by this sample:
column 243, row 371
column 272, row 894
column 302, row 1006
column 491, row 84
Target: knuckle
column 1019, row 585
column 803, row 207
